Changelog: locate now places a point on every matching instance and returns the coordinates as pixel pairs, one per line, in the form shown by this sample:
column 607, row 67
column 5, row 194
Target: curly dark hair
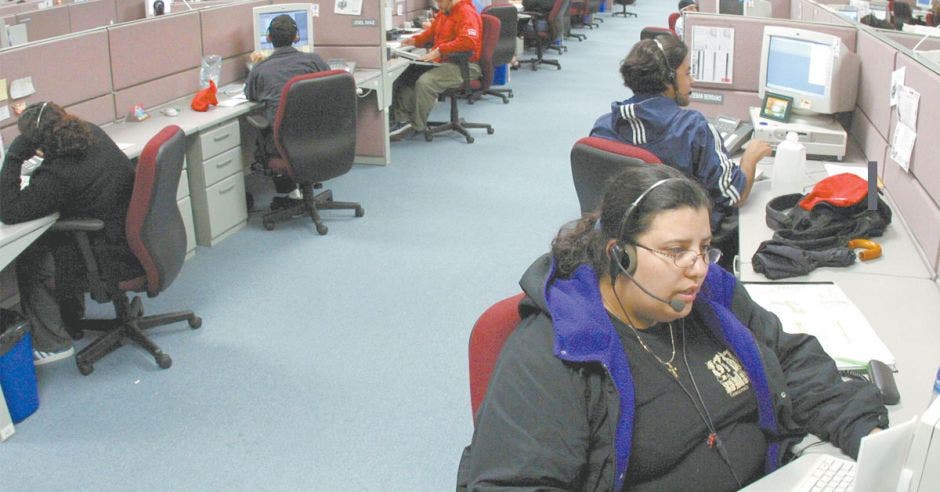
column 56, row 132
column 585, row 241
column 644, row 70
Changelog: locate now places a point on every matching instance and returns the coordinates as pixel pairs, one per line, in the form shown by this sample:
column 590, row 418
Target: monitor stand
column 822, row 135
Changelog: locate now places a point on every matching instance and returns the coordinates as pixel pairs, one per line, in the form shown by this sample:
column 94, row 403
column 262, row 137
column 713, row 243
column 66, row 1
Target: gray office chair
column 624, row 4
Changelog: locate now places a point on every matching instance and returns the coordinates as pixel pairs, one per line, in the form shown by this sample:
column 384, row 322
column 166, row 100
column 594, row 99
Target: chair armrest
column 79, row 229
column 462, row 60
column 84, row 225
column 258, row 121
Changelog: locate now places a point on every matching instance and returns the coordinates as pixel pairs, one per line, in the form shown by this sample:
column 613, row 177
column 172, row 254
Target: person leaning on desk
column 640, row 365
column 456, row 28
column 659, row 74
column 265, row 82
column 83, row 175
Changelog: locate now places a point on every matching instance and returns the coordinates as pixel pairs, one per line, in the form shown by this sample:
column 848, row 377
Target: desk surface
column 16, row 237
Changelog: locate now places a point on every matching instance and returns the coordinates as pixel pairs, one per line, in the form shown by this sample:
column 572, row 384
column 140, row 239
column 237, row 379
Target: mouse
column 171, row 111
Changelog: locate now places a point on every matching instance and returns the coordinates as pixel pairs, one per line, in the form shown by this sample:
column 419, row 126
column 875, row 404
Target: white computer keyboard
column 830, row 473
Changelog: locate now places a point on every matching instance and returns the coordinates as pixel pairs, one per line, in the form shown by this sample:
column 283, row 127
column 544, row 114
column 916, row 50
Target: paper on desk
column 908, row 99
column 232, row 101
column 124, row 145
column 21, row 88
column 824, row 311
column 902, row 145
column 4, row 112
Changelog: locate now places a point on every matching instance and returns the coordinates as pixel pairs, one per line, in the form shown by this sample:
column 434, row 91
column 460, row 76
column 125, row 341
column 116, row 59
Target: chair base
column 129, row 324
column 456, row 124
column 310, row 205
column 539, row 61
column 504, row 94
column 624, row 13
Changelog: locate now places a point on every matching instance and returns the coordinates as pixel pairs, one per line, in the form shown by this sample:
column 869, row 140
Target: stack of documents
column 824, row 311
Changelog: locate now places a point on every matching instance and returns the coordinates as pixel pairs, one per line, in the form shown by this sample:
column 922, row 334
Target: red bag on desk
column 205, row 97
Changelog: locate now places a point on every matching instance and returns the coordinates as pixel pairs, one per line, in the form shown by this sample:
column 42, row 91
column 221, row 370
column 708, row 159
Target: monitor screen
column 923, row 3
column 851, row 15
column 302, row 13
column 798, row 65
column 880, row 12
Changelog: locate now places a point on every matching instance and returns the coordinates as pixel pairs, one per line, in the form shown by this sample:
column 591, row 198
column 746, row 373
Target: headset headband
column 41, row 109
column 663, row 51
column 629, row 212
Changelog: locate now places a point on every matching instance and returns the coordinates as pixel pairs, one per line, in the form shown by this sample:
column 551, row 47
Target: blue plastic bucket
column 501, row 75
column 17, row 372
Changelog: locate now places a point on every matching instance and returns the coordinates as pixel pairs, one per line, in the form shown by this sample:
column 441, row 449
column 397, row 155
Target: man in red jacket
column 456, row 28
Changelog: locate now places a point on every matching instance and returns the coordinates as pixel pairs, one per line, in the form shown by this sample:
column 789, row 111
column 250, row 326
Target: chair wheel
column 490, row 131
column 469, row 140
column 163, row 360
column 195, row 322
column 322, row 229
column 268, row 224
column 428, row 136
column 360, row 211
column 85, row 368
column 506, row 101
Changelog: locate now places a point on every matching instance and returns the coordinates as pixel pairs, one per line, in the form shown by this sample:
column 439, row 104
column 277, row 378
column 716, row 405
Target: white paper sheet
column 712, row 54
column 348, row 7
column 908, row 100
column 824, row 311
column 897, row 80
column 4, row 112
column 902, row 145
column 21, row 88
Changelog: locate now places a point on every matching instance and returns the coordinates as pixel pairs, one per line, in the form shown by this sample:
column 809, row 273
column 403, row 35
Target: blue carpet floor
column 337, row 362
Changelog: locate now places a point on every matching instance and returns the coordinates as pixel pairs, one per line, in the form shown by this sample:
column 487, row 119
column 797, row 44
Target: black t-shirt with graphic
column 670, row 450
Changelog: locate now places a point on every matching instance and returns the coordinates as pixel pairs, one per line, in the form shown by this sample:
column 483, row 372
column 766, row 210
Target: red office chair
column 157, row 237
column 505, row 48
column 596, row 160
column 486, row 341
column 456, row 123
column 543, row 30
column 315, row 135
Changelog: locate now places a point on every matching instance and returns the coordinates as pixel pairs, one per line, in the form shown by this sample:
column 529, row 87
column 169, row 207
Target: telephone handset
column 734, row 132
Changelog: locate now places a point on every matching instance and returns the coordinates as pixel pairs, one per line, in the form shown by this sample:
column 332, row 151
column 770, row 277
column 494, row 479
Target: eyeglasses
column 687, row 258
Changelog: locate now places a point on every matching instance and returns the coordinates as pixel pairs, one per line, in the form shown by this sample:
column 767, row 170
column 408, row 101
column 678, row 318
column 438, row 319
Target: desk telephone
column 734, row 132
column 340, row 64
column 879, row 374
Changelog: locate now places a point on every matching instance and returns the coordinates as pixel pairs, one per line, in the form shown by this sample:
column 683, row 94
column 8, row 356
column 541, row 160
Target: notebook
column 880, row 459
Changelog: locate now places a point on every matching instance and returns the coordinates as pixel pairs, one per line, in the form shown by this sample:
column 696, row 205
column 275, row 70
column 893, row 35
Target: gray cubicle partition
column 46, row 23
column 88, row 15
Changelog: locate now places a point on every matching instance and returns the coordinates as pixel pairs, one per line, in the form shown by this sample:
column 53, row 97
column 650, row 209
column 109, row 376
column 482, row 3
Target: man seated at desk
column 456, row 28
column 83, row 175
column 266, row 80
column 659, row 74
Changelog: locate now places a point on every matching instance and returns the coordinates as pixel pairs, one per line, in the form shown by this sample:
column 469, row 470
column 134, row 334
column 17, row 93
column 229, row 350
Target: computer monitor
column 303, row 16
column 851, row 15
column 758, row 8
column 815, row 69
column 921, row 472
column 879, row 11
column 924, row 4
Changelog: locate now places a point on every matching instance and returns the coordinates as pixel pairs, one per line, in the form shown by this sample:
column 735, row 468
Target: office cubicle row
column 916, row 193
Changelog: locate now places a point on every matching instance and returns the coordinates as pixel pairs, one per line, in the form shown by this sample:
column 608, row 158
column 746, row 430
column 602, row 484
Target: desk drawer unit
column 185, row 205
column 216, row 182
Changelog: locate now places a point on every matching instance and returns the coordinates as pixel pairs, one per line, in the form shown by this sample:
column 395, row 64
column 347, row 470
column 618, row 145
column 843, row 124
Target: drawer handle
column 223, row 164
column 221, row 137
column 230, row 188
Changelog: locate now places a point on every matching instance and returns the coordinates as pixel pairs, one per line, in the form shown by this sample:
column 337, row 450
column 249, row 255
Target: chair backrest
column 490, row 41
column 596, row 160
column 673, row 17
column 650, row 32
column 486, row 341
column 315, row 125
column 154, row 227
column 625, row 2
column 557, row 18
column 508, row 24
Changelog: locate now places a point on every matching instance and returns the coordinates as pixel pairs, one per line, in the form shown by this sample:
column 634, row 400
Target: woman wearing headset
column 638, row 364
column 83, row 175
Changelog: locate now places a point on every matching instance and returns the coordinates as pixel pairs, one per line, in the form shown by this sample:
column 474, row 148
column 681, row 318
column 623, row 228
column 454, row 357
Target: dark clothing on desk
column 543, row 6
column 97, row 185
column 267, row 78
column 568, row 403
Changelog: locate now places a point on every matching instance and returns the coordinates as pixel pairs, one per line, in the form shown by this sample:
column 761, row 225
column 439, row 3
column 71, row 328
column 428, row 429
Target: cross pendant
column 672, row 369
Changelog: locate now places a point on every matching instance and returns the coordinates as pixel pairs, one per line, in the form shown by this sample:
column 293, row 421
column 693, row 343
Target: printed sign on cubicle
column 712, row 54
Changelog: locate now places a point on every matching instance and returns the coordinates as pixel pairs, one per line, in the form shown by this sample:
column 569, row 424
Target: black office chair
column 624, row 12
column 490, row 39
column 157, row 237
column 544, row 30
column 315, row 135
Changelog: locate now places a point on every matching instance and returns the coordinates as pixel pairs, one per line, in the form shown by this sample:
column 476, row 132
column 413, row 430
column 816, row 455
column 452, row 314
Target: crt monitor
column 815, row 69
column 847, row 14
column 303, row 16
column 924, row 4
column 921, row 472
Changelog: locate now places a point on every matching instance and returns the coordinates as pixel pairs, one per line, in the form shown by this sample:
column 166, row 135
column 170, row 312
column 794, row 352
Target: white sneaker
column 40, row 357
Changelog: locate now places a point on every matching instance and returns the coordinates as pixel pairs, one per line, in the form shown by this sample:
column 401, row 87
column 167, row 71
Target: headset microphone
column 675, row 304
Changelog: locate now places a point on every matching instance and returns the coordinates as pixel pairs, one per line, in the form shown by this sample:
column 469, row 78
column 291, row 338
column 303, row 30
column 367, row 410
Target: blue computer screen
column 798, row 65
column 300, row 17
column 923, row 3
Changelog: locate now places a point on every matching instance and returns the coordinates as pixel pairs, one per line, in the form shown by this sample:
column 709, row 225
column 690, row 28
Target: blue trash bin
column 501, row 74
column 17, row 372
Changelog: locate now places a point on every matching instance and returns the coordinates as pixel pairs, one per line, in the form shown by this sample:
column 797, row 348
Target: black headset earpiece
column 622, row 259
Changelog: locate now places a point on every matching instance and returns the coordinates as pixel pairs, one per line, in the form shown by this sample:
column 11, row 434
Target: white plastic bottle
column 788, row 166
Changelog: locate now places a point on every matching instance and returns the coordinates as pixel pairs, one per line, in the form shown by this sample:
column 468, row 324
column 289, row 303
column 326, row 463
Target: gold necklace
column 666, row 363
